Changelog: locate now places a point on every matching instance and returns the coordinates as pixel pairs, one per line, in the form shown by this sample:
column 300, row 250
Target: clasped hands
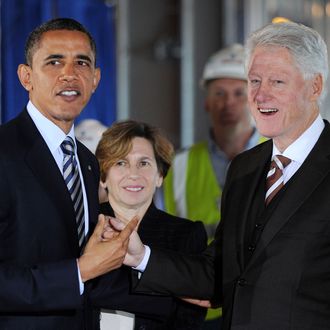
column 111, row 244
column 115, row 242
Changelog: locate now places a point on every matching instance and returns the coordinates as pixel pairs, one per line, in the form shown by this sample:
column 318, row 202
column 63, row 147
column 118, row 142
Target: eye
column 83, row 63
column 220, row 93
column 121, row 163
column 54, row 62
column 239, row 93
column 144, row 163
column 254, row 81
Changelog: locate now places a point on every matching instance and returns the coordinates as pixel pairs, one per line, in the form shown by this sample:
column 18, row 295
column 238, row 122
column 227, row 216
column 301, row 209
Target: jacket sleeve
column 43, row 287
column 178, row 273
column 189, row 316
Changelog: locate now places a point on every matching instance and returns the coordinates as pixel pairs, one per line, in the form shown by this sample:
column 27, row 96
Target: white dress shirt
column 299, row 149
column 53, row 137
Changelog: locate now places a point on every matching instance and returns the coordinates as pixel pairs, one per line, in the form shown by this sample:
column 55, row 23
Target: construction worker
column 194, row 184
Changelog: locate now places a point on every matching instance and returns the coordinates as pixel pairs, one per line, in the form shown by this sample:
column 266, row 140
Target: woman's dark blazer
column 161, row 230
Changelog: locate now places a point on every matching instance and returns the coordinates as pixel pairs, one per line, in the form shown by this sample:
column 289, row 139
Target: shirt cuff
column 81, row 284
column 143, row 264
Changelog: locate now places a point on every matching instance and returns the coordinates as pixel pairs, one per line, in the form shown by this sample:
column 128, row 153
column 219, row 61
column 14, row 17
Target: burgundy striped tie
column 274, row 181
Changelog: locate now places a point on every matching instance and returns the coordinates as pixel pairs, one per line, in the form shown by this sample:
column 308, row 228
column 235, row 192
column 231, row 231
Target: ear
column 317, row 87
column 24, row 73
column 159, row 181
column 103, row 184
column 96, row 79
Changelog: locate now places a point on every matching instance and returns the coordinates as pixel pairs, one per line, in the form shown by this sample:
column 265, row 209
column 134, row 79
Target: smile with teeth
column 268, row 110
column 134, row 189
column 69, row 93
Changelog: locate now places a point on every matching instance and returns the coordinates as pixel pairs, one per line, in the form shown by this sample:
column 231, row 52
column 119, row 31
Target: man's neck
column 233, row 140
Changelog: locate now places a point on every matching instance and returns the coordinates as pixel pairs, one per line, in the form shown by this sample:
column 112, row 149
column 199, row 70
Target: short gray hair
column 305, row 45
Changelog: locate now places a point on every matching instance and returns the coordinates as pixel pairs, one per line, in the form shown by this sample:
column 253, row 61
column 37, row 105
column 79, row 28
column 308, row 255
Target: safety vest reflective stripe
column 179, row 166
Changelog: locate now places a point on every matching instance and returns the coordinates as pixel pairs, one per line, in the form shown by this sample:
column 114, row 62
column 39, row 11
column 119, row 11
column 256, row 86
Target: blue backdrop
column 19, row 17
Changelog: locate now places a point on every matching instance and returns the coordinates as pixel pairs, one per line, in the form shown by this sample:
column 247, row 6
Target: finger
column 97, row 234
column 109, row 235
column 135, row 219
column 198, row 302
column 116, row 223
column 127, row 231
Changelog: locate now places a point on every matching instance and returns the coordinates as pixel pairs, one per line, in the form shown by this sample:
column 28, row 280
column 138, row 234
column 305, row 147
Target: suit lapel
column 91, row 176
column 254, row 169
column 46, row 171
column 311, row 173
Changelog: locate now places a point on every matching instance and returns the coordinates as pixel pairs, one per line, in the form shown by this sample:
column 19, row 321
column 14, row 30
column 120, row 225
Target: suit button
column 258, row 225
column 241, row 282
column 251, row 248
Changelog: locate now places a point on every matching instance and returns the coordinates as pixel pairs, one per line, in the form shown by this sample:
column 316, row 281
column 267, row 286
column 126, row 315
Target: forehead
column 227, row 84
column 271, row 58
column 142, row 145
column 61, row 41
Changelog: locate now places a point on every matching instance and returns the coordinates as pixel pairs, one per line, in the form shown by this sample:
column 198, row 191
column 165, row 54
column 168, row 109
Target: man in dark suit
column 43, row 273
column 270, row 261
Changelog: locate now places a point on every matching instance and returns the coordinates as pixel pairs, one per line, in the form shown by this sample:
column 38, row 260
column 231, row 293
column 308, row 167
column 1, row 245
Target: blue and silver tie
column 72, row 180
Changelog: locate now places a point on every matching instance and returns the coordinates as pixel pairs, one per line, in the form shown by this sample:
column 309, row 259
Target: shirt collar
column 299, row 149
column 50, row 132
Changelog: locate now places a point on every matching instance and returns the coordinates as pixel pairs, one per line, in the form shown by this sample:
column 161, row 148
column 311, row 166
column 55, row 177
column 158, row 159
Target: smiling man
column 49, row 190
column 269, row 264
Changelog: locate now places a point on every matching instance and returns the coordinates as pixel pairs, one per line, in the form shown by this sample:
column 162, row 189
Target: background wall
column 152, row 52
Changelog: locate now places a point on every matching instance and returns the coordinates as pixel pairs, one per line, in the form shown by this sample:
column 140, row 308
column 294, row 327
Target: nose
column 262, row 93
column 230, row 98
column 133, row 172
column 68, row 73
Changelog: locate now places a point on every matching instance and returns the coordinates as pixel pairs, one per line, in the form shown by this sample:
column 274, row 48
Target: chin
column 268, row 130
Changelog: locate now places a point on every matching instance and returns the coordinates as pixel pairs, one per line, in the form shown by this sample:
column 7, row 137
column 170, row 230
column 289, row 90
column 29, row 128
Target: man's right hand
column 101, row 256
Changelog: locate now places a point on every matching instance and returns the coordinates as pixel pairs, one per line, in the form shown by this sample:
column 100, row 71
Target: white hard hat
column 89, row 132
column 226, row 63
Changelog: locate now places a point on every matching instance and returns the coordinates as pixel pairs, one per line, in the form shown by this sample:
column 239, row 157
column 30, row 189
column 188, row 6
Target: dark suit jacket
column 157, row 229
column 39, row 286
column 286, row 282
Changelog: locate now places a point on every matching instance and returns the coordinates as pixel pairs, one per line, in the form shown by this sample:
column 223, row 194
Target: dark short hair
column 33, row 40
column 116, row 143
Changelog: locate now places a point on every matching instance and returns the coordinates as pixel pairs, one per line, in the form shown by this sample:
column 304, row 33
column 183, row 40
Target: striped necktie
column 274, row 181
column 72, row 180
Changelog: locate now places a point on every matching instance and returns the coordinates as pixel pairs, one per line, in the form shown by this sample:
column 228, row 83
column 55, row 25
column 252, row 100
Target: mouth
column 69, row 93
column 134, row 188
column 267, row 111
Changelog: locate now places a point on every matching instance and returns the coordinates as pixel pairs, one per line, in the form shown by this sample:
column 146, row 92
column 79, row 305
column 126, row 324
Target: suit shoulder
column 248, row 154
column 168, row 231
column 8, row 128
column 87, row 153
column 11, row 137
column 178, row 221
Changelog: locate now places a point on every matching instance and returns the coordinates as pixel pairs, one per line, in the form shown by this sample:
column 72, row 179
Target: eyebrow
column 59, row 56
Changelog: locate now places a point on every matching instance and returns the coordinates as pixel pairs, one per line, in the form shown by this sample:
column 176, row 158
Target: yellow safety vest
column 191, row 189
